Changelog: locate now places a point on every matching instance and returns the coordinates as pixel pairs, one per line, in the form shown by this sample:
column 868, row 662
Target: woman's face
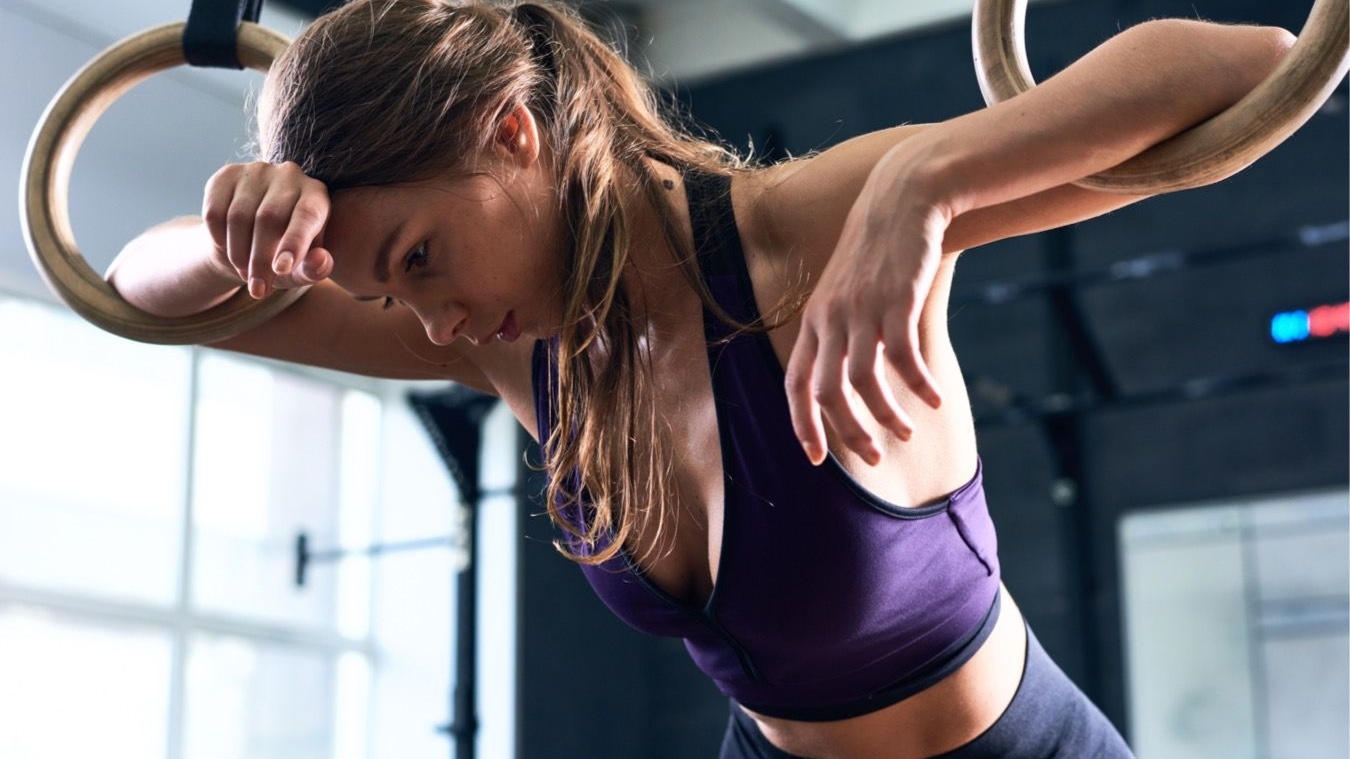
column 478, row 257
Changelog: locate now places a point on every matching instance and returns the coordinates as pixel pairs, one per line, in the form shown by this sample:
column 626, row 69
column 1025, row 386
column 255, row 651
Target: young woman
column 753, row 419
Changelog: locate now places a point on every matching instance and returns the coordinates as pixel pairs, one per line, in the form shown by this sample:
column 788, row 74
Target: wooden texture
column 45, row 213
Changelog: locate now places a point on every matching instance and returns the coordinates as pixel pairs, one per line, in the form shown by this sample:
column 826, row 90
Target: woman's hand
column 266, row 222
column 865, row 309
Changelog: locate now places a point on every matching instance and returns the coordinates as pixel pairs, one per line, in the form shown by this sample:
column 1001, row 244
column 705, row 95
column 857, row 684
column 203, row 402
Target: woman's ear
column 518, row 137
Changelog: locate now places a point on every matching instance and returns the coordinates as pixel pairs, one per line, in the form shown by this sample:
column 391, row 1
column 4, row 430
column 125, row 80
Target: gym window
column 150, row 499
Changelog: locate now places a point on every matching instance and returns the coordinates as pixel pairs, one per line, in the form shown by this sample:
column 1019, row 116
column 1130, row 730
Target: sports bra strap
column 721, row 259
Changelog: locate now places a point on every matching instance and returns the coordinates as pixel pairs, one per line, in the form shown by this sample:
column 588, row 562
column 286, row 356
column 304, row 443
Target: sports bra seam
column 962, row 531
column 706, row 615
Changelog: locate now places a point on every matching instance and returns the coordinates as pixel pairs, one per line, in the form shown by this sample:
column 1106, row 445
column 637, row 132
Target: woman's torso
column 936, row 462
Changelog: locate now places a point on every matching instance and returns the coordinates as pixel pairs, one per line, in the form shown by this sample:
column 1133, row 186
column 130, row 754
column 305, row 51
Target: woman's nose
column 443, row 325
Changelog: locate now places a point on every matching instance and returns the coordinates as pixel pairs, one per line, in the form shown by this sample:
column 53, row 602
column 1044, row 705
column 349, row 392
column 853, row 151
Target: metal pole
column 464, row 722
column 454, row 420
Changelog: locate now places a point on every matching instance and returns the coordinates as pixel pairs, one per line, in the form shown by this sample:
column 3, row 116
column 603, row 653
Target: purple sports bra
column 829, row 602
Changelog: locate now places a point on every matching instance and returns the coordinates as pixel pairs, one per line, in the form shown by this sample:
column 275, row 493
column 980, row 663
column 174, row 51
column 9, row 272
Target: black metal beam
column 453, row 419
column 1079, row 368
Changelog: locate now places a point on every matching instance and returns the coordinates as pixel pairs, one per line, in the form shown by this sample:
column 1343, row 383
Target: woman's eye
column 416, row 258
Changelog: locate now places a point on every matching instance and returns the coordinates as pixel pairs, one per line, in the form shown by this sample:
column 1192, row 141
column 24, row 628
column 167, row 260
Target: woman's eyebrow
column 382, row 259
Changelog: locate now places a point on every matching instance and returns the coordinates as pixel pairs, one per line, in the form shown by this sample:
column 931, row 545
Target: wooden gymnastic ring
column 1213, row 150
column 46, row 179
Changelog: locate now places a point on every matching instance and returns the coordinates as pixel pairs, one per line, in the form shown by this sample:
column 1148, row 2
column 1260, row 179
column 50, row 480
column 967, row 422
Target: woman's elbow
column 1269, row 45
column 1241, row 56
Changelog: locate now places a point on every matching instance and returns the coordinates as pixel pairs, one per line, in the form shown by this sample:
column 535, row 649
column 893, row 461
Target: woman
column 485, row 193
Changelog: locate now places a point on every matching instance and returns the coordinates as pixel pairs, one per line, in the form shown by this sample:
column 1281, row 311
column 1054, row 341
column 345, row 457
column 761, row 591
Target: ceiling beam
column 822, row 22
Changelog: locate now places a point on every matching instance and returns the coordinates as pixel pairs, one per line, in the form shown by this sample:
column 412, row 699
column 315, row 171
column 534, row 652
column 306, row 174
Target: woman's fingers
column 903, row 351
column 239, row 230
column 314, row 264
column 264, row 219
column 271, row 223
column 215, row 205
column 837, row 374
column 833, row 396
column 298, row 252
column 834, row 377
column 867, row 376
column 801, row 399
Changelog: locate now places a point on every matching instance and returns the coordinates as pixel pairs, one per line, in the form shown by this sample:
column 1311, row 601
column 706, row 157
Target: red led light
column 1325, row 321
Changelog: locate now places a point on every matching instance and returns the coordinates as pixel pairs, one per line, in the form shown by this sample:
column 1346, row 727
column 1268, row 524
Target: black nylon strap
column 212, row 33
column 713, row 227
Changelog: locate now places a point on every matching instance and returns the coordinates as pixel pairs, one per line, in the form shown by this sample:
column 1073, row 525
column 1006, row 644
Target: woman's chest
column 682, row 557
column 680, row 550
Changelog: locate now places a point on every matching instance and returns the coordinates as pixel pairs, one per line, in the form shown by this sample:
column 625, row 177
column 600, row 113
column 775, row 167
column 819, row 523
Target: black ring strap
column 212, row 33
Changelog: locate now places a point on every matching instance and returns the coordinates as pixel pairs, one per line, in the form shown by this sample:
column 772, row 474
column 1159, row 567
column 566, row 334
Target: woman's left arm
column 962, row 182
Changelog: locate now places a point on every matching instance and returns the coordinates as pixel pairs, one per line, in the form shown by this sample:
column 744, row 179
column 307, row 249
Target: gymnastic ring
column 45, row 212
column 1208, row 152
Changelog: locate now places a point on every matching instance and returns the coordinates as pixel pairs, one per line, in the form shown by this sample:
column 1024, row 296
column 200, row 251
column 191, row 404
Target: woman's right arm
column 190, row 264
column 166, row 271
column 255, row 218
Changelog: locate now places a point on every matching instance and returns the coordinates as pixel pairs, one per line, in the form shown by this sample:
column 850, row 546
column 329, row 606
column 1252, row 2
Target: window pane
column 351, row 735
column 1302, row 562
column 93, row 433
column 74, row 689
column 247, row 700
column 1307, row 707
column 1239, row 628
column 1190, row 691
column 266, row 467
column 1303, row 548
column 360, row 468
column 498, row 592
column 413, row 626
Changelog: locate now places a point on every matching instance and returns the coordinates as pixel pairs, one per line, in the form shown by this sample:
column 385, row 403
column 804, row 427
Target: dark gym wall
column 1180, row 397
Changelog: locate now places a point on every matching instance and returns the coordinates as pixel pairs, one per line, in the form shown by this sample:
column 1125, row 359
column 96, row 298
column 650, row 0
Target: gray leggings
column 1049, row 718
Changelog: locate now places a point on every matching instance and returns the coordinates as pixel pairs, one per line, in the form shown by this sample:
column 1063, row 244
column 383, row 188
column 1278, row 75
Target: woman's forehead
column 358, row 220
column 374, row 204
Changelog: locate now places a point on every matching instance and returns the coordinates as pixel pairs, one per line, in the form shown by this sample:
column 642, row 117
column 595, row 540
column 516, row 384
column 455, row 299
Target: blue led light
column 1289, row 327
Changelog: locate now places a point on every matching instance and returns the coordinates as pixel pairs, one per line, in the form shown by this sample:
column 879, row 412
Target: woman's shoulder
column 796, row 208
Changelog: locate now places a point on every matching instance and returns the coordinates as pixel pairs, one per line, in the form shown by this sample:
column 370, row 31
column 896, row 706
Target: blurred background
column 1161, row 396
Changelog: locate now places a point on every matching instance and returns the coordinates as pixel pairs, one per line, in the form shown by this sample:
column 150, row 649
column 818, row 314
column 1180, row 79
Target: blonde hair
column 386, row 91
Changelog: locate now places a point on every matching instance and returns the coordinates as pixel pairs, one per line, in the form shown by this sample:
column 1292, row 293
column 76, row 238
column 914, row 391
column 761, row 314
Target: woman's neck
column 656, row 282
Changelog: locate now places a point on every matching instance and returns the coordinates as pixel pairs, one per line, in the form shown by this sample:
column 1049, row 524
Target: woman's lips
column 509, row 331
